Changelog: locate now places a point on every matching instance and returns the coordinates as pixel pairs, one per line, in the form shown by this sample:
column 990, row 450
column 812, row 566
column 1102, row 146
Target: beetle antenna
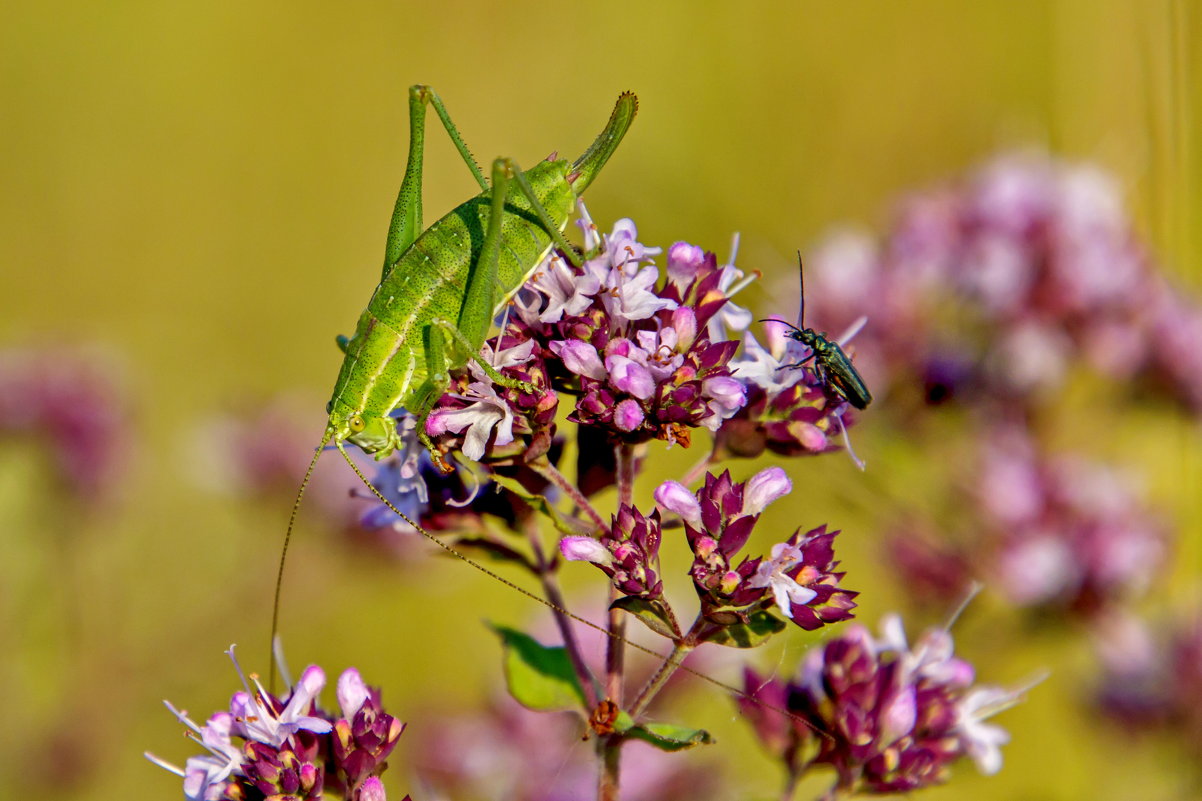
column 279, row 576
column 801, row 306
column 780, row 321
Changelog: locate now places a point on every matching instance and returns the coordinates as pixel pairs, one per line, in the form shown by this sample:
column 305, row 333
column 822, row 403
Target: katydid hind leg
column 480, row 295
column 406, row 225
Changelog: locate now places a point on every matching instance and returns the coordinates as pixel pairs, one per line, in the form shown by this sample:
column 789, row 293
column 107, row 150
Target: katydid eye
column 356, row 423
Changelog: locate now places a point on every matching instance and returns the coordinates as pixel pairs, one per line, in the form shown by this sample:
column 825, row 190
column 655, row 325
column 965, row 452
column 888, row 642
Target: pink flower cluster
column 289, row 748
column 799, row 579
column 887, row 717
column 70, row 402
column 1056, row 533
column 998, row 285
column 1067, row 532
column 1153, row 680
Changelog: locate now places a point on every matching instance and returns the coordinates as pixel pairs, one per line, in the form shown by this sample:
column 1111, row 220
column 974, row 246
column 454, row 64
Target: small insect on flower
column 832, row 364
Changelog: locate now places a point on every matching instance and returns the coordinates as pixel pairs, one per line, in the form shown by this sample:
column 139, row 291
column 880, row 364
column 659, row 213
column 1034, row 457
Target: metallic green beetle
column 833, row 365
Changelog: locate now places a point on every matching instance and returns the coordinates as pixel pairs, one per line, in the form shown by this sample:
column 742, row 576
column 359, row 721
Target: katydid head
column 373, row 434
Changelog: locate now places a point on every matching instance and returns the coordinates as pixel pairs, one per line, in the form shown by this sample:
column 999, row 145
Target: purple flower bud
column 624, row 550
column 898, row 716
column 311, row 681
column 584, row 549
column 684, row 322
column 675, row 497
column 729, row 582
column 630, row 376
column 372, row 790
column 628, row 415
column 580, row 357
column 728, row 393
column 308, row 776
column 352, row 692
column 684, row 260
column 811, row 437
column 765, row 487
column 959, row 673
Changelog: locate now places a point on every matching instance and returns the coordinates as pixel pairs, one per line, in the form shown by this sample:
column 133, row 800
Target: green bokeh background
column 203, row 189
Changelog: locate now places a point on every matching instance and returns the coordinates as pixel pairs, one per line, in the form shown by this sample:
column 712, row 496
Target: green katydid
column 442, row 287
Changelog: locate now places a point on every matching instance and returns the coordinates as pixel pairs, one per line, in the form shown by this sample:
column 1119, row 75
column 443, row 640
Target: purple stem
column 548, row 471
column 615, row 662
column 588, row 682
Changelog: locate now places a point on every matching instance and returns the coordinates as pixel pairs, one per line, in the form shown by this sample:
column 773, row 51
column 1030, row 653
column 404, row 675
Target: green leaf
column 757, row 631
column 538, row 676
column 540, row 504
column 652, row 613
column 664, row 736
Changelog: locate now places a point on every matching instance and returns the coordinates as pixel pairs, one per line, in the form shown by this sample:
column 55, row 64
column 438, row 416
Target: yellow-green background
column 203, row 188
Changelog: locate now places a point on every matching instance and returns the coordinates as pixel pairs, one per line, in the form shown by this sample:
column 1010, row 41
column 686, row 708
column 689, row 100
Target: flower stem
column 615, row 654
column 588, row 682
column 795, row 768
column 548, row 471
column 615, row 661
column 611, row 754
column 698, row 470
column 669, row 666
column 786, row 793
column 625, row 459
